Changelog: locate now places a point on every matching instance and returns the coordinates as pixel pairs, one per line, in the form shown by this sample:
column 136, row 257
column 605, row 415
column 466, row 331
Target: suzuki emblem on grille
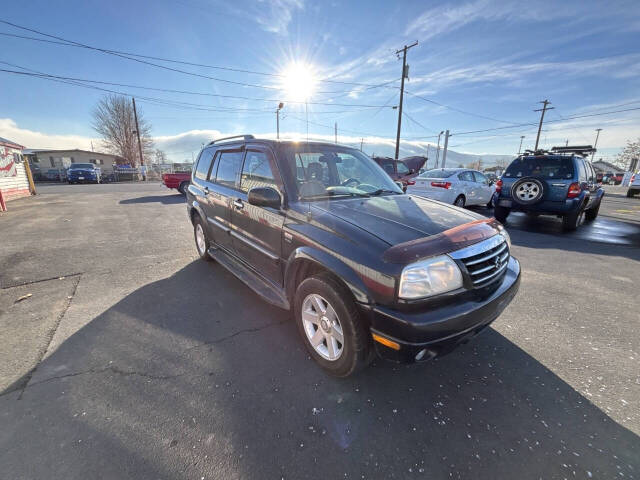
column 497, row 262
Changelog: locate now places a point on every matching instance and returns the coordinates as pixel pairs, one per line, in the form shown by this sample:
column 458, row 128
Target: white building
column 43, row 160
column 14, row 176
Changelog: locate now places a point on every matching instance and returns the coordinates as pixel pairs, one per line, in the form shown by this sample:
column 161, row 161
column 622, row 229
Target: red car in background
column 179, row 181
column 403, row 170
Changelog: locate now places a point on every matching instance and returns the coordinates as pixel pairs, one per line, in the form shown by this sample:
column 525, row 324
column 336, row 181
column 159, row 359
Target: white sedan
column 457, row 186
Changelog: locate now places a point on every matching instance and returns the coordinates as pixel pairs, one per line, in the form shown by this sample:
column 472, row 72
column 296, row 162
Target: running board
column 263, row 288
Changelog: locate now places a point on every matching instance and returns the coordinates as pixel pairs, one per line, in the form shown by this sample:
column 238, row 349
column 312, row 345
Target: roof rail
column 245, row 137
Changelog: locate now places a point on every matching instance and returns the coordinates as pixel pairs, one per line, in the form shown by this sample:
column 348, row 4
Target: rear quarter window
column 545, row 167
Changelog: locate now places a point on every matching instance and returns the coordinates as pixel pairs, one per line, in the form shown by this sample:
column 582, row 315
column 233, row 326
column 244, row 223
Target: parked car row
column 457, row 186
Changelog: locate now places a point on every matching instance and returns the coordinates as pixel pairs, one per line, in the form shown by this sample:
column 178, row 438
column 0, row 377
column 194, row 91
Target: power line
column 457, row 109
column 548, row 121
column 74, row 79
column 419, row 124
column 71, row 43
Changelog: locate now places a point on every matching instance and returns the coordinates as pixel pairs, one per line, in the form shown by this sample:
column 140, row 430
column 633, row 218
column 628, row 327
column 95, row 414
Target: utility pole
column 444, row 151
column 546, row 107
column 280, row 105
column 595, row 143
column 335, row 131
column 566, row 144
column 520, row 147
column 361, row 142
column 135, row 116
column 438, row 151
column 404, row 75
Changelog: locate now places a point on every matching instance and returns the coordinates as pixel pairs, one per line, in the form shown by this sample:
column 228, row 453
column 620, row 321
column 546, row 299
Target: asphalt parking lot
column 133, row 359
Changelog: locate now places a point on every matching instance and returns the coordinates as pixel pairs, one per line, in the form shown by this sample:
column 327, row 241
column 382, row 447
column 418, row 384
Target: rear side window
column 229, row 166
column 466, row 177
column 204, row 164
column 256, row 171
column 582, row 172
column 542, row 166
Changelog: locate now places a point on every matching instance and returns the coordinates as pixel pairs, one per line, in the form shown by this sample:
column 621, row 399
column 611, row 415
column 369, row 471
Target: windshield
column 323, row 171
column 546, row 166
column 81, row 165
column 438, row 173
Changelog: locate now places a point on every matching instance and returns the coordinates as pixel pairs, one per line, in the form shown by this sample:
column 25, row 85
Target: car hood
column 396, row 219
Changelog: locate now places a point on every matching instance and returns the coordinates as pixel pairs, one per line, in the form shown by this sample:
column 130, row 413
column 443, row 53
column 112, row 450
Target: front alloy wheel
column 322, row 326
column 331, row 327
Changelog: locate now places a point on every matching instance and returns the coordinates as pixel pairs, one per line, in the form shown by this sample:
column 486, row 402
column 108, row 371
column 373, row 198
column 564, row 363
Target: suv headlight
column 506, row 236
column 429, row 277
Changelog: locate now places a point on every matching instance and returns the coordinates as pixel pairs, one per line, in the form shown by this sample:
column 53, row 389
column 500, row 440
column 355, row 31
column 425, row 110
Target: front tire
column 501, row 213
column 201, row 238
column 331, row 327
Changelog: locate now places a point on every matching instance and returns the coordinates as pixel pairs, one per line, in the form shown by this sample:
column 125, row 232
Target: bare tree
column 161, row 157
column 629, row 152
column 113, row 119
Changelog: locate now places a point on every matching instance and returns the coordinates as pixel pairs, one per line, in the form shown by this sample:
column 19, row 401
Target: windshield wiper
column 383, row 190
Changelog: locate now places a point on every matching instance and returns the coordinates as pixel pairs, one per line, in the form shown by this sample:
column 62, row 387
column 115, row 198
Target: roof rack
column 582, row 150
column 244, row 137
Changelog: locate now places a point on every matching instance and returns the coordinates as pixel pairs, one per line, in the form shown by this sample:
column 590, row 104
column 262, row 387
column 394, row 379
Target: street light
column 280, row 107
column 438, row 150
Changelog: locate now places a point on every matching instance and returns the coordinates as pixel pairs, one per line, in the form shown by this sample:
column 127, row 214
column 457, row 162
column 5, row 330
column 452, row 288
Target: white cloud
column 31, row 139
column 275, row 15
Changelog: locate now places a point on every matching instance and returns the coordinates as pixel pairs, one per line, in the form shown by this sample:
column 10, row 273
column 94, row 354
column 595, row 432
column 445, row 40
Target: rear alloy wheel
column 501, row 213
column 571, row 221
column 459, row 202
column 331, row 327
column 527, row 191
column 200, row 235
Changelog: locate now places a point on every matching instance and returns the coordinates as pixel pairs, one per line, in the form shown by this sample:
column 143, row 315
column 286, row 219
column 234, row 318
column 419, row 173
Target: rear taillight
column 633, row 178
column 446, row 185
column 499, row 186
column 411, row 182
column 574, row 190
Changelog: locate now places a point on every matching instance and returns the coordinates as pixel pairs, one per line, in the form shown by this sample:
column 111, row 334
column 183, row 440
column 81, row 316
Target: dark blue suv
column 559, row 182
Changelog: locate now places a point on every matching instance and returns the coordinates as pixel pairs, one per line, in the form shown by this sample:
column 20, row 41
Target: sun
column 298, row 82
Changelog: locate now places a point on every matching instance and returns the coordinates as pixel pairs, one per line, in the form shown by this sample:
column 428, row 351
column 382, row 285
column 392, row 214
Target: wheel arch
column 307, row 261
column 196, row 209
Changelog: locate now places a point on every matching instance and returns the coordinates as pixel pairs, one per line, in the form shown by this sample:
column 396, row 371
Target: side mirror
column 401, row 185
column 264, row 197
column 411, row 171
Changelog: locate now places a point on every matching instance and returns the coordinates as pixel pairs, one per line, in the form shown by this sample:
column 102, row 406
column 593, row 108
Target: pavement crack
column 50, row 335
column 235, row 334
column 57, row 277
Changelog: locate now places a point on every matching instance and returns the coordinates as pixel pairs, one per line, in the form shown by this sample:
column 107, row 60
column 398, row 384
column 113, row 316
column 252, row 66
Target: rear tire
column 501, row 213
column 571, row 221
column 591, row 214
column 336, row 309
column 459, row 201
column 629, row 194
column 201, row 238
column 182, row 188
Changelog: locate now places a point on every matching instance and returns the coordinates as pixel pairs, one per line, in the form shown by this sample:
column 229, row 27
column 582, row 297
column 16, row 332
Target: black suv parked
column 322, row 230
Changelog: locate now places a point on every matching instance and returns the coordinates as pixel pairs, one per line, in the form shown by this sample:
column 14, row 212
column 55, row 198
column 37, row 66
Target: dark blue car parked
column 559, row 182
column 83, row 173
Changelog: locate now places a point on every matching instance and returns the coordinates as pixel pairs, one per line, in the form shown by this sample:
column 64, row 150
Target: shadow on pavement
column 165, row 199
column 193, row 376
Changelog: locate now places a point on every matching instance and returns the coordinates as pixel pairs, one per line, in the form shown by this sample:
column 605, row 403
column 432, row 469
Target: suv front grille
column 484, row 261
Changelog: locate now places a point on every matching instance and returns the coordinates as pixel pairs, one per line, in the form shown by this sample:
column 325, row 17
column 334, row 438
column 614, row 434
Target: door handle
column 238, row 203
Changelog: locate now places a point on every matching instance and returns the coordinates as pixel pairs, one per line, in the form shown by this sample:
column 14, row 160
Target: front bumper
column 439, row 330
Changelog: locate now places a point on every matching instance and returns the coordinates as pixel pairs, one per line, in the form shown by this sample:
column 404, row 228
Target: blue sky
column 489, row 59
